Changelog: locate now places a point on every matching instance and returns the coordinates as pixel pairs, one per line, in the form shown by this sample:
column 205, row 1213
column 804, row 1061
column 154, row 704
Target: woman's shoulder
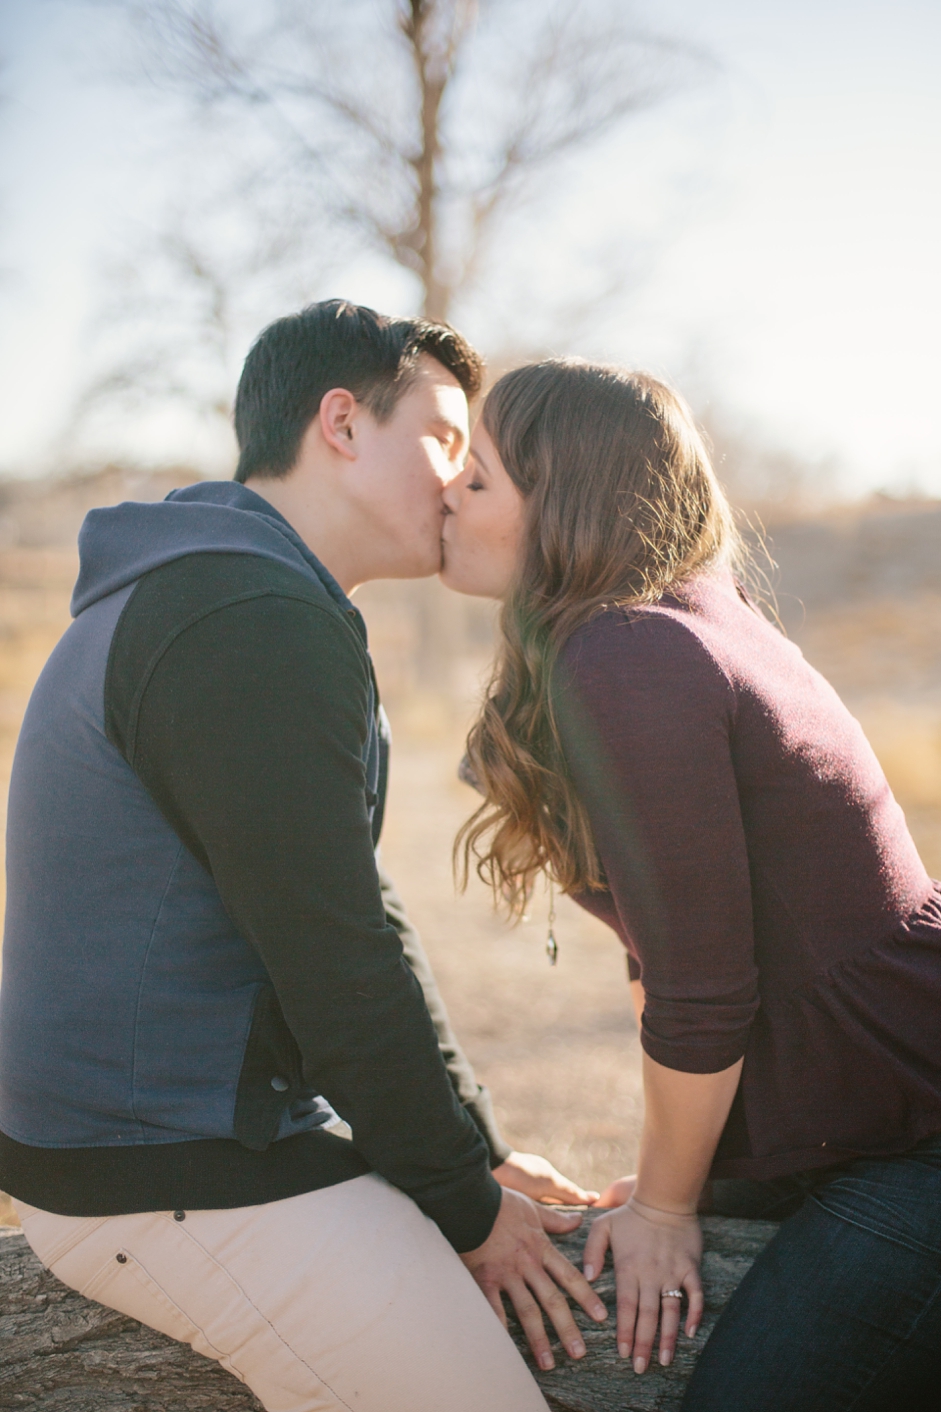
column 650, row 660
column 677, row 628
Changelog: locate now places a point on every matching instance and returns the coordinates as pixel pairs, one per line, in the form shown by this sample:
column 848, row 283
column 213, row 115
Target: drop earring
column 552, row 946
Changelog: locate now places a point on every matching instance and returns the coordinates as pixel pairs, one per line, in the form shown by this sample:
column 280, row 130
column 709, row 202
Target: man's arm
column 249, row 734
column 473, row 1096
column 525, row 1172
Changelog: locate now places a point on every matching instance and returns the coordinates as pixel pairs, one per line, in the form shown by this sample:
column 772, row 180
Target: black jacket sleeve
column 249, row 733
column 474, row 1096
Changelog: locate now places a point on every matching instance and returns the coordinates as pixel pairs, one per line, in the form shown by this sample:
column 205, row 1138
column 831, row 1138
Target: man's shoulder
column 203, row 581
column 183, row 591
column 259, row 604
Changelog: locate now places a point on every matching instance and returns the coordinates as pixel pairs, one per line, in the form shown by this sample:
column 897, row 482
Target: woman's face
column 483, row 524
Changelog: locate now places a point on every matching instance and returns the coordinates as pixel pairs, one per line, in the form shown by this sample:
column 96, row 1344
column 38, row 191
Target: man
column 201, row 972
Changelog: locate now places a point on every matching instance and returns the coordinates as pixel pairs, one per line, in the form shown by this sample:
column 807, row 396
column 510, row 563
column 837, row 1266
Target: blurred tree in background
column 409, row 137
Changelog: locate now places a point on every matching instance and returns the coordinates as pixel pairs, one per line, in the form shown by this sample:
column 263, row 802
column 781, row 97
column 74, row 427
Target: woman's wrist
column 662, row 1215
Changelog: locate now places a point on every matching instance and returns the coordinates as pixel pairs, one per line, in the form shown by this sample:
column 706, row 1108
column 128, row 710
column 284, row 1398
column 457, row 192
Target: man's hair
column 296, row 360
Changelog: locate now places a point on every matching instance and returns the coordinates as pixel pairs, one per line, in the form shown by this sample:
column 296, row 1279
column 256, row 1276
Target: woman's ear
column 339, row 410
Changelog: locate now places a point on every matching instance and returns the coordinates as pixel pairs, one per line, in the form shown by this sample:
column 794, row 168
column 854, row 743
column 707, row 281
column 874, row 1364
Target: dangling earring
column 552, row 946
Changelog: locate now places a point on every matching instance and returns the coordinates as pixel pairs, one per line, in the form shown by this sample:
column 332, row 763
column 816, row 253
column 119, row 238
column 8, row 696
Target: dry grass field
column 557, row 1046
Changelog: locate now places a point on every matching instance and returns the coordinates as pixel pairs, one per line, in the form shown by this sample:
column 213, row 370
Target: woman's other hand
column 519, row 1259
column 537, row 1178
column 654, row 1251
column 618, row 1193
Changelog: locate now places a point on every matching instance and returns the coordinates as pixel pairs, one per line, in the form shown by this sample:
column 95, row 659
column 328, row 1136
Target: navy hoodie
column 176, row 1000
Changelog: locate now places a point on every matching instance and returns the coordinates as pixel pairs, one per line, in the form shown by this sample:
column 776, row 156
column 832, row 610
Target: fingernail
column 640, row 1364
column 666, row 1358
column 577, row 1349
column 599, row 1312
column 694, row 1331
column 546, row 1361
column 624, row 1350
column 589, row 1272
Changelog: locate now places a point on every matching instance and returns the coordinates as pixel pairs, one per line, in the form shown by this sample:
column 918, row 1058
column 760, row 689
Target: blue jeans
column 842, row 1310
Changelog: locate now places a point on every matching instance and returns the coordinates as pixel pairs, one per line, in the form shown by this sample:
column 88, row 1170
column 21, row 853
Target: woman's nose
column 451, row 495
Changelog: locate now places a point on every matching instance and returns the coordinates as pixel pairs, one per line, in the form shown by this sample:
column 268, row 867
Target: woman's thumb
column 595, row 1247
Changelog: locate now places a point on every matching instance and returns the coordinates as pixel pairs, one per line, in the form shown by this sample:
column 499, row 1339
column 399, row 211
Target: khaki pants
column 346, row 1297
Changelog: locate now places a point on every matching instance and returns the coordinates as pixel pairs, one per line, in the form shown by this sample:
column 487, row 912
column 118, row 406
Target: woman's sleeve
column 646, row 716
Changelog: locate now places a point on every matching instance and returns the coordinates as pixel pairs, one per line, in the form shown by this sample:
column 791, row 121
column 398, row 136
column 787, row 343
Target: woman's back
column 762, row 875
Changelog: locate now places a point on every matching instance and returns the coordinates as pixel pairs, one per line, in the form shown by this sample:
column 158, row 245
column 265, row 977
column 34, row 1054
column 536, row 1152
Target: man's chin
column 421, row 567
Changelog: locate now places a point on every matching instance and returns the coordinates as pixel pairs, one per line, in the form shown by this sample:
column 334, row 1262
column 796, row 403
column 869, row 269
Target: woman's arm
column 648, row 716
column 684, row 1118
column 655, row 1239
column 637, row 1000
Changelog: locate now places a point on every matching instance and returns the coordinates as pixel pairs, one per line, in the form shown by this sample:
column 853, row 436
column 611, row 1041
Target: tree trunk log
column 60, row 1351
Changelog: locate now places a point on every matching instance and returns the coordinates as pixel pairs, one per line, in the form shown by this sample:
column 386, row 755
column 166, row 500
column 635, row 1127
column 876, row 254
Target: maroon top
column 761, row 876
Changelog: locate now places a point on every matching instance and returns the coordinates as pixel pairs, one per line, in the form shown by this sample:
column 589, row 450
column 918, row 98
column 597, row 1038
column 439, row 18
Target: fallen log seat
column 60, row 1351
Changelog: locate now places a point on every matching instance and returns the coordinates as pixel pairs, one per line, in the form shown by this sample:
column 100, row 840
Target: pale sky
column 787, row 216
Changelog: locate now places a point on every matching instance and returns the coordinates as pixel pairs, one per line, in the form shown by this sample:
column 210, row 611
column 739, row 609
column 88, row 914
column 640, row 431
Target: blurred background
column 741, row 196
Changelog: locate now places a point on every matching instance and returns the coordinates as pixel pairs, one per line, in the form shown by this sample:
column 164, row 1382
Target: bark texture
column 60, row 1351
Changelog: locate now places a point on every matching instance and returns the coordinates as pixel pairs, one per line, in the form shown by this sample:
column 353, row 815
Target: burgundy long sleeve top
column 761, row 876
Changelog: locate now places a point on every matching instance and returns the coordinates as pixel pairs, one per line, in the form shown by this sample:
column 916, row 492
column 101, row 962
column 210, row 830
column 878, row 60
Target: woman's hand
column 618, row 1193
column 538, row 1179
column 653, row 1251
column 518, row 1258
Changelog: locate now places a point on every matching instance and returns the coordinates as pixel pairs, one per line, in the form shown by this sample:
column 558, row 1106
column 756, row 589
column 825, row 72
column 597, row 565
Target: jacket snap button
column 121, row 1258
column 179, row 1215
column 279, row 1084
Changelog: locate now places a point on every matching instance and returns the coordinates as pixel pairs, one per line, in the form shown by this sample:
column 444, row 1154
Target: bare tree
column 408, row 132
column 413, row 125
column 174, row 315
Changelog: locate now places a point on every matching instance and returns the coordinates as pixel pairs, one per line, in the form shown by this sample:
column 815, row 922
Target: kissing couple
column 231, row 1102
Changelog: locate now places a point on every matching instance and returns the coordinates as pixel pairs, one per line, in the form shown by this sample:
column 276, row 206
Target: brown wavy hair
column 622, row 504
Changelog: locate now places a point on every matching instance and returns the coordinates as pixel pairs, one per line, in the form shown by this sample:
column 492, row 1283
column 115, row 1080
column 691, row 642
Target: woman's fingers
column 669, row 1328
column 645, row 1329
column 567, row 1193
column 618, row 1193
column 599, row 1238
column 693, row 1286
column 538, row 1179
column 628, row 1303
column 551, row 1186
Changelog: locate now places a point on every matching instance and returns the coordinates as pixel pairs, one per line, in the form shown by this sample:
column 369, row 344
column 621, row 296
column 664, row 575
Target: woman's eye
column 475, row 485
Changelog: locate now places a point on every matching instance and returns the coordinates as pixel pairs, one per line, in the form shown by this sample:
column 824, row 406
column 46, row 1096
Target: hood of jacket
column 120, row 544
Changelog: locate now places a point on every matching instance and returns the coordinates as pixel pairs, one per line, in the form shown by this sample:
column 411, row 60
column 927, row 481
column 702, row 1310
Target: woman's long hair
column 621, row 505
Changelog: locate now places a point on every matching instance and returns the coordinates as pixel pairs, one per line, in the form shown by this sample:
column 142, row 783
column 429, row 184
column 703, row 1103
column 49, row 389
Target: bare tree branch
column 412, row 129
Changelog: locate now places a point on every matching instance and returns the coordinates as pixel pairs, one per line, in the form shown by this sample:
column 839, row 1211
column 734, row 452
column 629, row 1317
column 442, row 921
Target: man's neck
column 326, row 528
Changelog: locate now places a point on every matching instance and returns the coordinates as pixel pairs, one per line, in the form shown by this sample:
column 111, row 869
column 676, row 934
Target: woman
column 657, row 747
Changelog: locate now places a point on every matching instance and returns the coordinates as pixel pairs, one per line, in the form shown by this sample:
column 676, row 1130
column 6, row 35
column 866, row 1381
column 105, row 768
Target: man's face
column 403, row 465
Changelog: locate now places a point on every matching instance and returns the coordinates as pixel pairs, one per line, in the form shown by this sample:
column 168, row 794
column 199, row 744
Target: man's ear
column 339, row 410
